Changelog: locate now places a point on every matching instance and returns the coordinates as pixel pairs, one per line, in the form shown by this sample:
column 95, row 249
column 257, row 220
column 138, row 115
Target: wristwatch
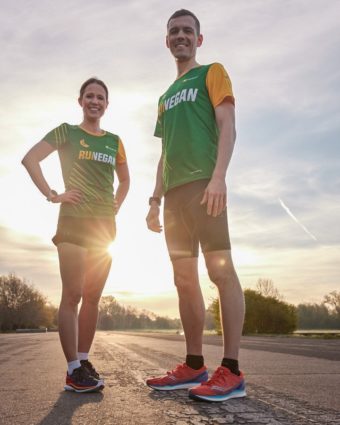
column 51, row 195
column 155, row 199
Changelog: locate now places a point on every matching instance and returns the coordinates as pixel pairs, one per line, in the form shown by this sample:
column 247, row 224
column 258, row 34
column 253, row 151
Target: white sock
column 72, row 365
column 83, row 356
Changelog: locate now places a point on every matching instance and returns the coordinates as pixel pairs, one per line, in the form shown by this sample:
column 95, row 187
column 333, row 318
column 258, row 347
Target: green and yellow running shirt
column 186, row 123
column 88, row 163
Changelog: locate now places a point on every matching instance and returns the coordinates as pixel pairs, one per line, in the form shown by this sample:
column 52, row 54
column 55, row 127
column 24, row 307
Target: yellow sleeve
column 219, row 85
column 121, row 155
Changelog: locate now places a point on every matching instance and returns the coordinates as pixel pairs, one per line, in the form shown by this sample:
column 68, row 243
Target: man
column 196, row 121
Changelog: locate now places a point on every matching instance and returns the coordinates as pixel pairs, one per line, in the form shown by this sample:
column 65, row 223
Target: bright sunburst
column 111, row 249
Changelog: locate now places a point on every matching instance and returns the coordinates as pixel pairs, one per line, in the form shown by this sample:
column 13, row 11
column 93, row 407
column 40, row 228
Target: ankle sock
column 231, row 364
column 83, row 356
column 195, row 362
column 73, row 365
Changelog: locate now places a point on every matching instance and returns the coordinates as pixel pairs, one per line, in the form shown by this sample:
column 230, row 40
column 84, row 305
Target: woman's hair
column 93, row 80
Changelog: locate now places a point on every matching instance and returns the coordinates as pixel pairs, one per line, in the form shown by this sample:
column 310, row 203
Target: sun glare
column 111, row 249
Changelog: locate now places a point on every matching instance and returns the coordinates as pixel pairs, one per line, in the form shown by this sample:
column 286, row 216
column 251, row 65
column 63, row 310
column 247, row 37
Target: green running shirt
column 186, row 123
column 88, row 163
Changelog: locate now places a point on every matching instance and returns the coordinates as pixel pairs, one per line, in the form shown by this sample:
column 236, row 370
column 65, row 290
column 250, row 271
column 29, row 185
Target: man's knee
column 181, row 279
column 221, row 271
column 186, row 281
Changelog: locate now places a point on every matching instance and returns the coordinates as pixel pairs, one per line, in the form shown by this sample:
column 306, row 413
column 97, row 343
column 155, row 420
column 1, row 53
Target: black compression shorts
column 187, row 224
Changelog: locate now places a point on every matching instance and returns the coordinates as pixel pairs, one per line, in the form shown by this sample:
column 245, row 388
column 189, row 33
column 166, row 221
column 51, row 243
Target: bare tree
column 266, row 288
column 333, row 300
column 21, row 305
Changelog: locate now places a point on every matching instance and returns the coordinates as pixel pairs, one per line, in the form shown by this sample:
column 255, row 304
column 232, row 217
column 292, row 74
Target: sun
column 111, row 249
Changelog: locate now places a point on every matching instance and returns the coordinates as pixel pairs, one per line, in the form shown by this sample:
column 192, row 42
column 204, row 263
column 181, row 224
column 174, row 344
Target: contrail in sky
column 296, row 220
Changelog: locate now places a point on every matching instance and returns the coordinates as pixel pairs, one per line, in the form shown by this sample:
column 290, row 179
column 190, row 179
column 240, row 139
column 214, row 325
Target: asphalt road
column 289, row 381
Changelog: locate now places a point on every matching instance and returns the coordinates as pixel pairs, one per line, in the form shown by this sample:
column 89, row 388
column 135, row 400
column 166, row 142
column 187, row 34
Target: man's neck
column 185, row 66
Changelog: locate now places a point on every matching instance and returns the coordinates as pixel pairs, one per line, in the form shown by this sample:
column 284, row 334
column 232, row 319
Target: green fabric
column 186, row 123
column 88, row 163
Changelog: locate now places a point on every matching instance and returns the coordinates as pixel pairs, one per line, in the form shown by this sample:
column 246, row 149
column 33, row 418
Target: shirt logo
column 82, row 142
column 189, row 79
column 97, row 156
column 111, row 149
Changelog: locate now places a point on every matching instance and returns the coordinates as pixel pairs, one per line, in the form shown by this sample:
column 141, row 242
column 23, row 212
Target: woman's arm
column 122, row 171
column 31, row 162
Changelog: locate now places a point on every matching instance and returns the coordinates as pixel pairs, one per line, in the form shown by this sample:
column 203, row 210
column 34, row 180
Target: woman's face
column 93, row 102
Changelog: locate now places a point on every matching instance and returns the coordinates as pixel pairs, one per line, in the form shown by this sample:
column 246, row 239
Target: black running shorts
column 91, row 233
column 187, row 224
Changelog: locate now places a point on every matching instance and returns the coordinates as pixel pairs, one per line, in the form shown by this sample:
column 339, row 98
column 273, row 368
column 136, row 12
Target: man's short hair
column 185, row 12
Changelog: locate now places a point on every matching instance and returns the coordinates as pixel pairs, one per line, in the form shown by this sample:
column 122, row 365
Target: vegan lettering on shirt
column 185, row 95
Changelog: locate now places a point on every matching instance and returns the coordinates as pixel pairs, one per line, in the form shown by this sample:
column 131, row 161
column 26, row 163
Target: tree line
column 267, row 312
column 112, row 316
column 24, row 307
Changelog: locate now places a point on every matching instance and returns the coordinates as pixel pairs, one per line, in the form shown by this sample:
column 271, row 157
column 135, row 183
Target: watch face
column 51, row 195
column 155, row 199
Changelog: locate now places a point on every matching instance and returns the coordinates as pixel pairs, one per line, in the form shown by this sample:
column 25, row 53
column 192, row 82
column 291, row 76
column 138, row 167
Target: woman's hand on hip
column 73, row 196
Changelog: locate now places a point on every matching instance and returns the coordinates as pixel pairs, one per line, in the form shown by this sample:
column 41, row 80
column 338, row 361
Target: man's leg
column 227, row 381
column 182, row 243
column 72, row 260
column 191, row 307
column 222, row 273
column 191, row 304
column 97, row 269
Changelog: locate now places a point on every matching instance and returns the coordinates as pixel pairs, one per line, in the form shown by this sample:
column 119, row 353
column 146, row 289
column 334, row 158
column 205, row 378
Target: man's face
column 182, row 38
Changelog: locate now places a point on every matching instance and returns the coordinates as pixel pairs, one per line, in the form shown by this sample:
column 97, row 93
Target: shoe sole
column 85, row 390
column 233, row 394
column 185, row 386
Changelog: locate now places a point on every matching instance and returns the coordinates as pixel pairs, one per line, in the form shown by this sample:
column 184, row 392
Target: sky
column 284, row 178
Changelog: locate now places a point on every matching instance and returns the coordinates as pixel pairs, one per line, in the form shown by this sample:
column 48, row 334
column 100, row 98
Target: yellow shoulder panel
column 121, row 155
column 219, row 85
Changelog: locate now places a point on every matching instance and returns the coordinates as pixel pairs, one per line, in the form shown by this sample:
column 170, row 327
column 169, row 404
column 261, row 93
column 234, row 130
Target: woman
column 89, row 156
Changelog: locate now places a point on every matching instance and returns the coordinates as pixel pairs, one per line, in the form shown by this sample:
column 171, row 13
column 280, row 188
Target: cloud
column 284, row 64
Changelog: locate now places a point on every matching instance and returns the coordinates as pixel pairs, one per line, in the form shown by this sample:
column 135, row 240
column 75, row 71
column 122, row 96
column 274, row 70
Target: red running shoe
column 222, row 386
column 180, row 378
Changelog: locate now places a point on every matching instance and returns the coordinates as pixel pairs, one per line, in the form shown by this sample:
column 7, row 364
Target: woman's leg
column 98, row 265
column 72, row 260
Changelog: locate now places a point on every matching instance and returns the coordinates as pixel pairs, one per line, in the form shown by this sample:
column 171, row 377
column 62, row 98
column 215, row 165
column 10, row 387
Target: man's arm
column 152, row 219
column 215, row 195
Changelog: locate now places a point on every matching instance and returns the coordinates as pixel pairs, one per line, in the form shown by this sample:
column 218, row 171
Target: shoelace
column 177, row 371
column 81, row 374
column 92, row 371
column 89, row 366
column 217, row 378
